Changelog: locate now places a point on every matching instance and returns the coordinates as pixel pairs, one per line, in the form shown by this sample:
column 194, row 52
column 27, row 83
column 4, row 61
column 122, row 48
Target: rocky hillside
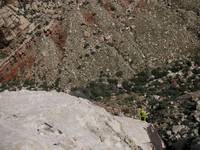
column 124, row 55
column 170, row 96
column 95, row 37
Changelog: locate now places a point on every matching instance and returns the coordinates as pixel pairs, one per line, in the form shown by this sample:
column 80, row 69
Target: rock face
column 51, row 120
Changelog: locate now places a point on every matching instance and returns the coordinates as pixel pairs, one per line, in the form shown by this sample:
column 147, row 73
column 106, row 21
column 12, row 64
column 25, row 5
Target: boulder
column 57, row 121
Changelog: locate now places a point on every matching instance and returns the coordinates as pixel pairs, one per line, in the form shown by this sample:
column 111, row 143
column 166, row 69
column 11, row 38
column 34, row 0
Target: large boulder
column 51, row 120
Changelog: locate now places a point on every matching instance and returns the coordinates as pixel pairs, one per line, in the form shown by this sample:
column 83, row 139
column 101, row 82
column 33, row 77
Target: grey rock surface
column 57, row 121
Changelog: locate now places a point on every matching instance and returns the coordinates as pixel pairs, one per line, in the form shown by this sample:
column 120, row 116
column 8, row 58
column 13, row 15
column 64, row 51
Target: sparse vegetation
column 142, row 114
column 108, row 58
column 2, row 55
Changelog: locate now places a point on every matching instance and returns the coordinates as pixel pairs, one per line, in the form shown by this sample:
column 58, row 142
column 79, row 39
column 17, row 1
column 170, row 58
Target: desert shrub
column 97, row 90
column 196, row 57
column 127, row 85
column 159, row 73
column 141, row 78
column 113, row 81
column 142, row 114
column 119, row 74
column 2, row 55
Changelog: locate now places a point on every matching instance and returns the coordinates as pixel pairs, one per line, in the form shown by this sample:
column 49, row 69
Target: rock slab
column 57, row 121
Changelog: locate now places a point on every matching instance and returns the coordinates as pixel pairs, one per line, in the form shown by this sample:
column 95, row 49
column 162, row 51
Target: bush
column 142, row 114
column 158, row 73
column 2, row 55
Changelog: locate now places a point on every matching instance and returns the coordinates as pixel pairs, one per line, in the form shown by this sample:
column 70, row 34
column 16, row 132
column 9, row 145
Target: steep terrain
column 95, row 37
column 170, row 96
column 121, row 54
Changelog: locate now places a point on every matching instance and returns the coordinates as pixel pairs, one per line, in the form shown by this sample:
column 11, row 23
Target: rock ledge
column 51, row 120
